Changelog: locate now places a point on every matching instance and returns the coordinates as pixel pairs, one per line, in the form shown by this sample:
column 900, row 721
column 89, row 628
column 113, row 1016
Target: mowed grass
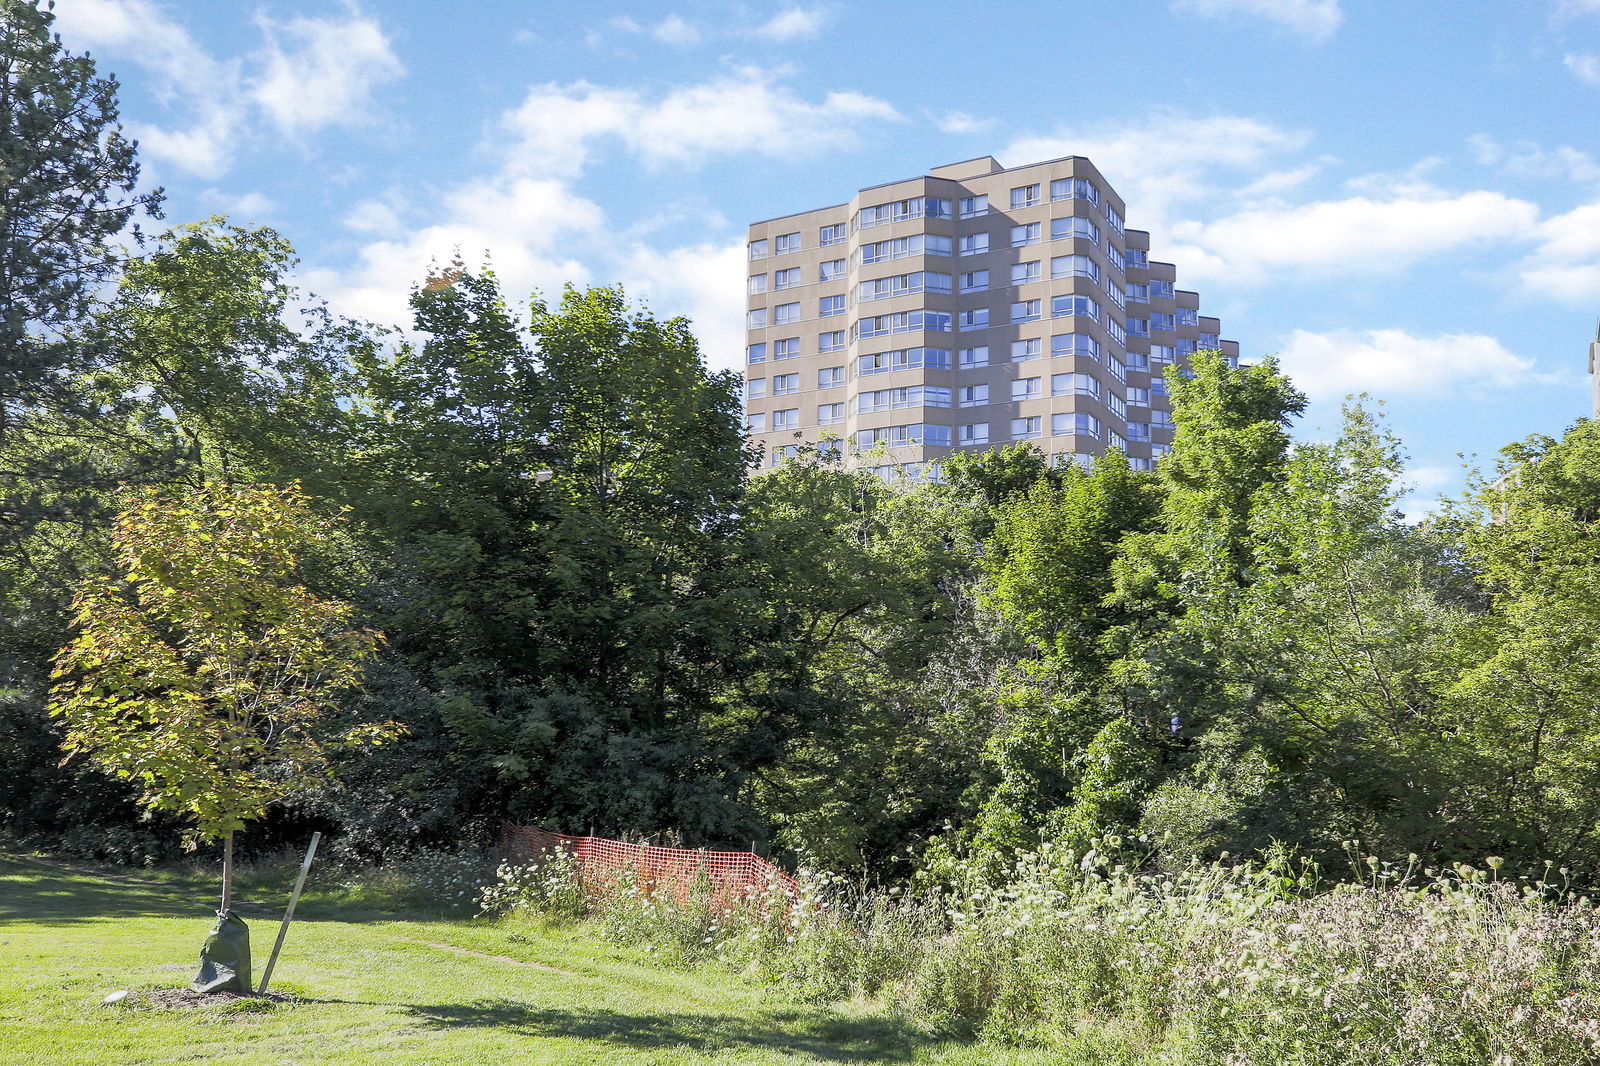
column 381, row 986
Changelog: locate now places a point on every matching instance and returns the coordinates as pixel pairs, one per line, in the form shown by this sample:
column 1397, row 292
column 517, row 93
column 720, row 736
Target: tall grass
column 1232, row 962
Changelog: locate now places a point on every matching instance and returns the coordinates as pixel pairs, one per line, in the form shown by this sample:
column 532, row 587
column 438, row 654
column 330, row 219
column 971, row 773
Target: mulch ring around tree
column 188, row 999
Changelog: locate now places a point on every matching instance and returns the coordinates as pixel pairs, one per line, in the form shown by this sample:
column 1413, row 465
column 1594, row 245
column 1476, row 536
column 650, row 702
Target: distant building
column 966, row 308
column 1594, row 371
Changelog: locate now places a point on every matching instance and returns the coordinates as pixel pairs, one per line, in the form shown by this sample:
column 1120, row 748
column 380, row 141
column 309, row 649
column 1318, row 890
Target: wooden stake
column 227, row 872
column 288, row 915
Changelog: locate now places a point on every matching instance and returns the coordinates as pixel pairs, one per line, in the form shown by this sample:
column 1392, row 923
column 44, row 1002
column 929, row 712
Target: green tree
column 67, row 175
column 206, row 673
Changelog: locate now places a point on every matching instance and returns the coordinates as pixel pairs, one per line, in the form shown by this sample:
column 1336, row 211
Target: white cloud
column 1355, row 235
column 1566, row 264
column 1585, row 65
column 744, row 112
column 1171, row 158
column 1391, row 362
column 184, row 72
column 245, row 208
column 1314, row 19
column 704, row 282
column 792, row 24
column 958, row 122
column 674, row 29
column 320, row 72
column 1527, row 159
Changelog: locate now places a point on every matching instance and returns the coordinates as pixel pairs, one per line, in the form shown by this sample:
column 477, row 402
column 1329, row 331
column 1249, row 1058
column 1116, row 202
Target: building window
column 1118, row 334
column 832, row 341
column 785, row 313
column 758, row 284
column 974, row 395
column 1139, row 463
column 1138, row 259
column 1162, row 419
column 755, row 388
column 1065, row 306
column 1118, row 260
column 902, row 322
column 755, row 422
column 1074, row 188
column 1074, row 226
column 975, row 281
column 1026, row 389
column 1185, row 346
column 1025, row 311
column 755, row 318
column 902, row 285
column 783, row 452
column 786, row 242
column 1075, row 423
column 1139, row 327
column 904, row 359
column 972, row 358
column 1076, row 344
column 1161, row 290
column 973, row 244
column 829, row 306
column 905, row 247
column 977, row 318
column 834, row 234
column 1139, row 431
column 830, row 377
column 1116, row 440
column 1025, row 428
column 1208, row 340
column 1118, row 407
column 1138, row 293
column 758, row 249
column 1118, row 369
column 1027, row 233
column 1138, row 397
column 786, row 419
column 900, row 436
column 1188, row 316
column 832, row 270
column 1074, row 385
column 1160, row 451
column 1023, row 350
column 902, row 210
column 1139, row 360
column 782, row 384
column 974, row 433
column 756, row 353
column 1158, row 386
column 829, row 414
column 1161, row 354
column 1113, row 217
column 1067, row 266
column 1024, row 196
column 906, row 396
column 973, row 206
column 787, row 348
column 830, row 447
column 786, row 279
column 1114, row 291
column 1022, row 273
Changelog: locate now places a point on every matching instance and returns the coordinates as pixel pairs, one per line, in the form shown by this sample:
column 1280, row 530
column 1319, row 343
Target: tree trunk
column 227, row 872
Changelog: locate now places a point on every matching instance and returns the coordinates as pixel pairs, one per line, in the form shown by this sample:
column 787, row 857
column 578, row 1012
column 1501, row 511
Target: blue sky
column 1397, row 198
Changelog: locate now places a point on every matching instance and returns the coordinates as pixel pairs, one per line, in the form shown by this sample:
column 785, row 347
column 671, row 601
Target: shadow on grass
column 825, row 1037
column 48, row 892
column 52, row 891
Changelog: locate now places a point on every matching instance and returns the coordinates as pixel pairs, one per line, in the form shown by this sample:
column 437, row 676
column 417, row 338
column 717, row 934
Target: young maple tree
column 206, row 672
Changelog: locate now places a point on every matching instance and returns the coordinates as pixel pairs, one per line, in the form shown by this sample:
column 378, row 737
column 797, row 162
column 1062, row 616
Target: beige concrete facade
column 966, row 308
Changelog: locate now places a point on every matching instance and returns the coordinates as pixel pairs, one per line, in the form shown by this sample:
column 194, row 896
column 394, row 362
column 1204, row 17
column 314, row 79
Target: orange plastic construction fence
column 603, row 865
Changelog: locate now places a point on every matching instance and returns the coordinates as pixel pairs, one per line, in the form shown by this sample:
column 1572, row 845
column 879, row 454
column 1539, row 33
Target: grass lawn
column 385, row 987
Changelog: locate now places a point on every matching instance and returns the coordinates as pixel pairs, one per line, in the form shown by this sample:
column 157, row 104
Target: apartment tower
column 967, row 308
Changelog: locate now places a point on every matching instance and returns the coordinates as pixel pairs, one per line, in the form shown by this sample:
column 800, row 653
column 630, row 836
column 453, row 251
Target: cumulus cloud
column 1528, row 159
column 1584, row 65
column 704, row 282
column 320, row 72
column 1392, row 362
column 557, row 126
column 792, row 24
column 1313, row 19
column 958, row 122
column 1566, row 263
column 1358, row 234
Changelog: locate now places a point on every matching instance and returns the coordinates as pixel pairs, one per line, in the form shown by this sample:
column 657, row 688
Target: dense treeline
column 596, row 617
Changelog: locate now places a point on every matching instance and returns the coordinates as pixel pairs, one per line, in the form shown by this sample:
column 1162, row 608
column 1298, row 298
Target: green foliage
column 204, row 672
